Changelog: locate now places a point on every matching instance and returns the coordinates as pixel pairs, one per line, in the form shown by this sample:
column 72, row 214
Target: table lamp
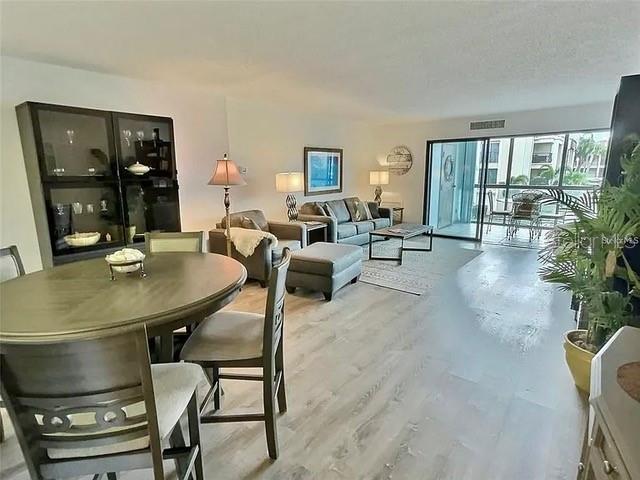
column 377, row 178
column 290, row 182
column 225, row 175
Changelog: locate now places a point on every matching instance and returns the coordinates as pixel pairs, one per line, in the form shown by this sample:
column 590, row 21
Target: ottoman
column 324, row 267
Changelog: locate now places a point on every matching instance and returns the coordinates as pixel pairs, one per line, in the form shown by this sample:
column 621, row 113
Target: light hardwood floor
column 466, row 382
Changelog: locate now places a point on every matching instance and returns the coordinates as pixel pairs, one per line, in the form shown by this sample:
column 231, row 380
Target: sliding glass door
column 470, row 183
column 455, row 187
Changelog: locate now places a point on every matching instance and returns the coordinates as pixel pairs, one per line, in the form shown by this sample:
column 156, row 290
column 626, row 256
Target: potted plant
column 590, row 257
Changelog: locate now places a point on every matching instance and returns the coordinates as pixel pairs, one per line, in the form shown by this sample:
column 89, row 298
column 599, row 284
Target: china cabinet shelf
column 111, row 173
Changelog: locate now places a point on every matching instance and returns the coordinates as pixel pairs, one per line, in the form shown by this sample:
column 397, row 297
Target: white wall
column 410, row 187
column 200, row 134
column 262, row 137
column 268, row 140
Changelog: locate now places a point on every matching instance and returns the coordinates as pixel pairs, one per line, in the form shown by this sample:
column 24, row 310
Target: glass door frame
column 482, row 186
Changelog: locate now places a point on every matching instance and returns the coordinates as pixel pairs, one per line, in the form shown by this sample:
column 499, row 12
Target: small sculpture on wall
column 399, row 160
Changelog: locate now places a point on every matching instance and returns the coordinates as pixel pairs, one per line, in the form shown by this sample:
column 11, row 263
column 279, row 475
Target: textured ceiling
column 382, row 61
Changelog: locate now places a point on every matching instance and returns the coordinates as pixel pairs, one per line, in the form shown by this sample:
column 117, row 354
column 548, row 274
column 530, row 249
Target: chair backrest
column 158, row 242
column 274, row 314
column 491, row 199
column 526, row 205
column 10, row 263
column 72, row 402
column 256, row 215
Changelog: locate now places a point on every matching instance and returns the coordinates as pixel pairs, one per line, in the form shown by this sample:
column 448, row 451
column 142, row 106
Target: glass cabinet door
column 150, row 206
column 145, row 146
column 84, row 218
column 74, row 142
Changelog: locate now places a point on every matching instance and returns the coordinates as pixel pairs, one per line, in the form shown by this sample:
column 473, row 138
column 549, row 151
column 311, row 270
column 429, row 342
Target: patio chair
column 526, row 208
column 505, row 214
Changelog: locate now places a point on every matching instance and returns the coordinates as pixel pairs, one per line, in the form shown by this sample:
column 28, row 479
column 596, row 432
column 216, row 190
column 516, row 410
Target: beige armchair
column 292, row 235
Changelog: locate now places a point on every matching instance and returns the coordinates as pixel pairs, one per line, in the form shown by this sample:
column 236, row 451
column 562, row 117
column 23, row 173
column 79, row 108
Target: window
column 498, row 161
column 586, row 159
column 574, row 162
column 494, row 152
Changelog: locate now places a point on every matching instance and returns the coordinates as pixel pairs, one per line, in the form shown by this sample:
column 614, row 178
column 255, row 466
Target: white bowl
column 127, row 269
column 82, row 239
column 126, row 255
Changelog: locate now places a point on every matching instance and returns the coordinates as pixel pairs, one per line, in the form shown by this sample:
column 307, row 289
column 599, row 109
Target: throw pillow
column 373, row 208
column 249, row 223
column 357, row 209
column 317, row 209
column 352, row 206
column 328, row 211
column 236, row 221
column 367, row 211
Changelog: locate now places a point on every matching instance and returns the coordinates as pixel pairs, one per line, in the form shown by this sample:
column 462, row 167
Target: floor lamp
column 225, row 175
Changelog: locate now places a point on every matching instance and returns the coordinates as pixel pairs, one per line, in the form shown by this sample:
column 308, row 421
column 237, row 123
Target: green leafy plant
column 586, row 256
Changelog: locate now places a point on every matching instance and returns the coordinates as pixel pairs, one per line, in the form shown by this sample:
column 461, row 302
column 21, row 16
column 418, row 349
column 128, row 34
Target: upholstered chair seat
column 227, row 336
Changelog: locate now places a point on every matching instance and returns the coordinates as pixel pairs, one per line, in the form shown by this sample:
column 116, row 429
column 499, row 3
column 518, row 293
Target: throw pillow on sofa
column 357, row 209
column 373, row 209
column 236, row 221
column 328, row 211
column 249, row 223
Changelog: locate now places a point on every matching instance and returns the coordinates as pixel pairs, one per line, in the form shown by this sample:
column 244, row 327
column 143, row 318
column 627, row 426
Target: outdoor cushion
column 340, row 210
column 381, row 222
column 326, row 259
column 276, row 253
column 364, row 226
column 346, row 230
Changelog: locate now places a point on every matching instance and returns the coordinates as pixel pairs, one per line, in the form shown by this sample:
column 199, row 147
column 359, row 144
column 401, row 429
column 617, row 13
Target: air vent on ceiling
column 486, row 125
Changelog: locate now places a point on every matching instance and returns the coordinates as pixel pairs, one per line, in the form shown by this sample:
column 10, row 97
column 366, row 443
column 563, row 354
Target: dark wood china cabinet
column 98, row 180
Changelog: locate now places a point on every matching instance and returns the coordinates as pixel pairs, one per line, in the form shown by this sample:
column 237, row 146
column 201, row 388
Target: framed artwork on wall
column 322, row 170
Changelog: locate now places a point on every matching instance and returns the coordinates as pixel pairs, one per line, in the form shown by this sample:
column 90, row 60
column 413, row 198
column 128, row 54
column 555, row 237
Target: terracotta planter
column 578, row 360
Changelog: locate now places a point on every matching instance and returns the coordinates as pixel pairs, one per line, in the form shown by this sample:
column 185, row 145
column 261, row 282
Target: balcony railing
column 541, row 158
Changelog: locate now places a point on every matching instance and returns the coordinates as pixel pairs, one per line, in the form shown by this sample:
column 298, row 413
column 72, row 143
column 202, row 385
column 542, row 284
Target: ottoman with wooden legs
column 324, row 267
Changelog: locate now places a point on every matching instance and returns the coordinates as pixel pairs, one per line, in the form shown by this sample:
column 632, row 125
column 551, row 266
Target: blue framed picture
column 322, row 170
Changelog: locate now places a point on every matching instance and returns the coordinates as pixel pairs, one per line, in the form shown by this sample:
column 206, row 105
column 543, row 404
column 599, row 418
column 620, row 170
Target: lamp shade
column 379, row 177
column 226, row 173
column 289, row 182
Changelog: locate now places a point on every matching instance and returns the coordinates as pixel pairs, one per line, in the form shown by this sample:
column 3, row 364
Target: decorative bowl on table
column 82, row 239
column 126, row 260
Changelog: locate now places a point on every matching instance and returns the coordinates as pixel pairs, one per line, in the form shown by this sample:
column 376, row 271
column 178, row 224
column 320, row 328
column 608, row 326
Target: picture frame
column 322, row 170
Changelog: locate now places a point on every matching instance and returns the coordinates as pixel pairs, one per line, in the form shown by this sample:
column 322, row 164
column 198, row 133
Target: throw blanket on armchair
column 246, row 240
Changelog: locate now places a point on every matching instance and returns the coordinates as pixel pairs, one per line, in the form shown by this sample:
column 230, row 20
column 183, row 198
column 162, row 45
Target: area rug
column 419, row 271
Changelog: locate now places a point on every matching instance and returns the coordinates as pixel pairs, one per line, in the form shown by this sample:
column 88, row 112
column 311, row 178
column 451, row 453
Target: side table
column 313, row 227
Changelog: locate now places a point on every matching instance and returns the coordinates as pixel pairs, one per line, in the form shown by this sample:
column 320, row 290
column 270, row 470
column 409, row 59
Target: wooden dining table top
column 79, row 300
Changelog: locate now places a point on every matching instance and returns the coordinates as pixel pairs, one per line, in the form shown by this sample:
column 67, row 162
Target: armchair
column 292, row 235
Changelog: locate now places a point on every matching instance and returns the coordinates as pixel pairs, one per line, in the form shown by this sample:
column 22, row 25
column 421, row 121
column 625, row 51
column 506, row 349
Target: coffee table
column 403, row 231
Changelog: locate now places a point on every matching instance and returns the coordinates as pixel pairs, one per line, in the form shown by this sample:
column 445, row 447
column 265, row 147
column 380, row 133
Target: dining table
column 79, row 300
